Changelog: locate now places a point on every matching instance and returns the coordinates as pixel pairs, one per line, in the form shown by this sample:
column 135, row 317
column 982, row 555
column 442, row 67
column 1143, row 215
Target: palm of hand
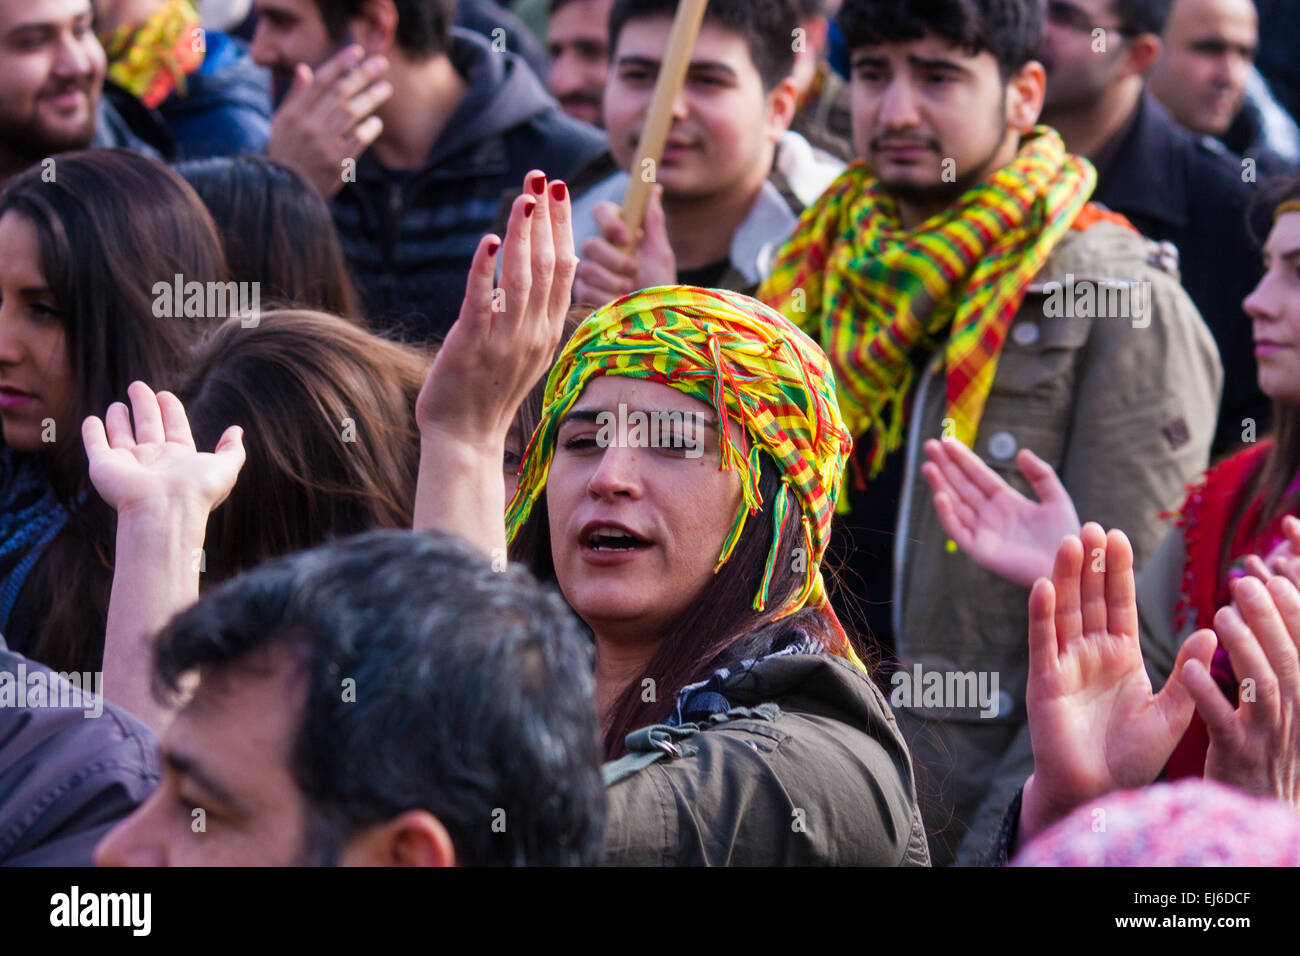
column 156, row 470
column 1017, row 538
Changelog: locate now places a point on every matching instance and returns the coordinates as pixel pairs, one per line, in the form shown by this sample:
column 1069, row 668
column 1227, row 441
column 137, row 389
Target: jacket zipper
column 905, row 506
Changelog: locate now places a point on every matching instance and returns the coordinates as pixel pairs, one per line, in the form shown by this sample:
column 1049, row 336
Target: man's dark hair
column 423, row 26
column 472, row 695
column 1142, row 16
column 767, row 25
column 1012, row 30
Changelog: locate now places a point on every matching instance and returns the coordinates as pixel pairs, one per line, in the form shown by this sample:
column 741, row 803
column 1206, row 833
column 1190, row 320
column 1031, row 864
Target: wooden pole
column 659, row 119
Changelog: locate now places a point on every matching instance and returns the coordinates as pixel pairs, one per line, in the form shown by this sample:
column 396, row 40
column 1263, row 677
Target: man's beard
column 30, row 140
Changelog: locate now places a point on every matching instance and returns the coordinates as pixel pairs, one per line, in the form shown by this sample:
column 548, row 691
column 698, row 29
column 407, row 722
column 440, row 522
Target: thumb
column 1047, row 486
column 659, row 262
column 1176, row 700
column 231, row 445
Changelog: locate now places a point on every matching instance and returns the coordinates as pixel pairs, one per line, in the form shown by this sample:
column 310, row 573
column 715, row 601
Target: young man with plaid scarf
column 964, row 288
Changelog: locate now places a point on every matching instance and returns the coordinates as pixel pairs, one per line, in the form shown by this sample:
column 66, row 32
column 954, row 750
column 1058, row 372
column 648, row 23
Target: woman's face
column 35, row 369
column 636, row 530
column 1274, row 308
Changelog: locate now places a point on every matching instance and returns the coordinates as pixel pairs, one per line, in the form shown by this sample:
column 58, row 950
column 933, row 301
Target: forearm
column 156, row 574
column 461, row 491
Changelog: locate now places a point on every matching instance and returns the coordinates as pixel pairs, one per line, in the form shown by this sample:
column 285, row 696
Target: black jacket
column 1187, row 190
column 409, row 238
column 67, row 774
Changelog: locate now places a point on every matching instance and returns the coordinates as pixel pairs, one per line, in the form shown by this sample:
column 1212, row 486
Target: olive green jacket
column 808, row 768
column 1123, row 408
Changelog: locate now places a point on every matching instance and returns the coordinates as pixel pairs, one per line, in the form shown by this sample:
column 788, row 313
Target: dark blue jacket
column 409, row 237
column 1188, row 190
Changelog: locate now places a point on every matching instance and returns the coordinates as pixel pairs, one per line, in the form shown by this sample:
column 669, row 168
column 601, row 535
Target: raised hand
column 1094, row 723
column 157, row 463
column 1255, row 746
column 328, row 117
column 998, row 527
column 613, row 265
column 1283, row 560
column 502, row 343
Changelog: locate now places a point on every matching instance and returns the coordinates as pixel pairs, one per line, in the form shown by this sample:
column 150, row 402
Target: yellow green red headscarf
column 876, row 295
column 752, row 366
column 152, row 58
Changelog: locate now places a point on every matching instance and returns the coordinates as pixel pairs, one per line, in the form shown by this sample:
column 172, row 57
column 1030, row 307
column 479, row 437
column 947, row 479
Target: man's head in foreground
column 384, row 700
column 942, row 92
column 51, row 77
column 1209, row 47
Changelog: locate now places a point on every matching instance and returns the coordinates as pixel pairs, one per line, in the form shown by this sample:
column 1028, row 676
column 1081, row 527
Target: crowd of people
column 917, row 485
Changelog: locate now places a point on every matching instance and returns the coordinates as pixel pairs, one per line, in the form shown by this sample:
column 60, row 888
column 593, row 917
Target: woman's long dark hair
column 721, row 627
column 1281, row 464
column 111, row 224
column 328, row 412
column 277, row 231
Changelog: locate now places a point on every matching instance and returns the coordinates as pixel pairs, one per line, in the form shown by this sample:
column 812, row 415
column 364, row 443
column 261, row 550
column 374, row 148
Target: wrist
column 169, row 522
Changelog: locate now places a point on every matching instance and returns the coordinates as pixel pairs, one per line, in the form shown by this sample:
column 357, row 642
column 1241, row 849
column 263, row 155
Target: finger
column 146, row 414
column 342, row 63
column 361, row 136
column 1092, row 582
column 359, row 107
column 984, row 478
column 1255, row 567
column 598, row 250
column 93, row 437
column 1291, row 528
column 1249, row 661
column 1259, row 608
column 657, row 254
column 516, row 256
column 117, row 424
column 480, row 284
column 1044, row 612
column 952, row 524
column 566, row 259
column 962, row 486
column 1282, row 654
column 1121, row 587
column 1176, row 700
column 176, row 424
column 231, row 445
column 1041, row 477
column 542, row 246
column 598, row 285
column 300, row 90
column 609, row 220
column 1216, row 710
column 1065, row 582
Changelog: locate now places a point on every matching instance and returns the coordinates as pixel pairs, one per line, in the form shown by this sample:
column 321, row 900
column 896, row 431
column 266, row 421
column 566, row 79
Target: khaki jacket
column 1123, row 408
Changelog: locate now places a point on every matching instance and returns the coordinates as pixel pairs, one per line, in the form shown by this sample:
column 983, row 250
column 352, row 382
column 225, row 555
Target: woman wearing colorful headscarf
column 679, row 490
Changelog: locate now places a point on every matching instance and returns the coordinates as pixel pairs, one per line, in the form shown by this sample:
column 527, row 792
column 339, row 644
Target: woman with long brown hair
column 81, row 252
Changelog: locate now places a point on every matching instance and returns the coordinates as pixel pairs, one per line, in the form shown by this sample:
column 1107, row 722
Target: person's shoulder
column 71, row 764
column 818, row 775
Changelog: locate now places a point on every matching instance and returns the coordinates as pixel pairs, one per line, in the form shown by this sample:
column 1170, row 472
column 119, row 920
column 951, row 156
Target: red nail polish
column 528, row 210
column 493, row 246
column 539, row 185
column 558, row 191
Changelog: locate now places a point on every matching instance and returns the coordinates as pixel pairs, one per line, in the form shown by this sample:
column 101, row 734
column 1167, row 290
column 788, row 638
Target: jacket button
column 1025, row 333
column 1002, row 445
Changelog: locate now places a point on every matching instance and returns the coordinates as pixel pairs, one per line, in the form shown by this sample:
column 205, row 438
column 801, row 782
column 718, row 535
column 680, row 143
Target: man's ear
column 1025, row 91
column 782, row 103
column 375, row 26
column 413, row 838
column 1143, row 51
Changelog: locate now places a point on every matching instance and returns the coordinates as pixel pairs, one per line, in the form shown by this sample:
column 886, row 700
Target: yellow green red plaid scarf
column 151, row 59
column 753, row 367
column 874, row 294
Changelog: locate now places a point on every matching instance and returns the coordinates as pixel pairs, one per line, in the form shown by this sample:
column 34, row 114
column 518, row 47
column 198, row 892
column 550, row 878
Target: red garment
column 1204, row 519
